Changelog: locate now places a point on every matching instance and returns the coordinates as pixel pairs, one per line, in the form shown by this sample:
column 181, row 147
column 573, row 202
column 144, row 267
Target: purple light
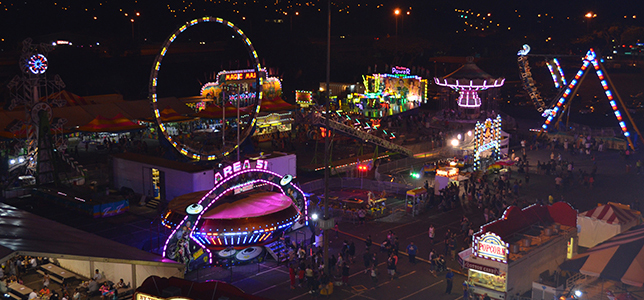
column 219, row 184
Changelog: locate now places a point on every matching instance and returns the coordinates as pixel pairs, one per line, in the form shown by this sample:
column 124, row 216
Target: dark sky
column 290, row 35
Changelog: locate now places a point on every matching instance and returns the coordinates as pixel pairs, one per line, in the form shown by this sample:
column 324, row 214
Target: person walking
column 391, row 265
column 345, row 273
column 411, row 251
column 366, row 257
column 450, row 281
column 368, row 242
column 374, row 276
column 432, row 233
column 452, row 247
column 432, row 262
column 291, row 273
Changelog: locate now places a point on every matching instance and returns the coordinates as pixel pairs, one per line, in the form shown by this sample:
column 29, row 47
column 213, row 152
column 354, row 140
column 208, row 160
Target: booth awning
column 276, row 104
column 611, row 214
column 70, row 98
column 621, row 258
column 216, row 112
column 116, row 124
column 169, row 115
column 417, row 191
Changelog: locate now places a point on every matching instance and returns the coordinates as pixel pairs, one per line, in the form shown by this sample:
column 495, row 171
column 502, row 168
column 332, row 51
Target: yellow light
column 397, row 11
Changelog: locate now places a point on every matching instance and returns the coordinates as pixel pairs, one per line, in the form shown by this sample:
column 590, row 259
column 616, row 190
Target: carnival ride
column 40, row 135
column 561, row 102
column 200, row 145
column 241, row 211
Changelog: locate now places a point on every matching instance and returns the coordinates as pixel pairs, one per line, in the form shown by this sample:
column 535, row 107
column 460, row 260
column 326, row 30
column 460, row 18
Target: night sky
column 290, row 36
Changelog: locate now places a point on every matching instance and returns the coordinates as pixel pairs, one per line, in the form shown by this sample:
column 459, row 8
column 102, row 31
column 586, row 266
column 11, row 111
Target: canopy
column 6, row 135
column 416, row 192
column 70, row 98
column 216, row 112
column 169, row 115
column 276, row 104
column 116, row 124
column 604, row 222
column 620, row 258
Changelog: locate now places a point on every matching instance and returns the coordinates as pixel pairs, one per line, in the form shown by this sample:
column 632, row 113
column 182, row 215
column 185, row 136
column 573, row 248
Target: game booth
column 509, row 254
column 416, row 200
column 247, row 210
column 389, row 93
column 444, row 177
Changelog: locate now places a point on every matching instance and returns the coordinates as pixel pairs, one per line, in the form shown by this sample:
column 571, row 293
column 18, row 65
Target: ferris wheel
column 209, row 143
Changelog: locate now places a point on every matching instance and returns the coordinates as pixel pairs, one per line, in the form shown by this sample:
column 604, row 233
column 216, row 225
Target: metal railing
column 320, row 121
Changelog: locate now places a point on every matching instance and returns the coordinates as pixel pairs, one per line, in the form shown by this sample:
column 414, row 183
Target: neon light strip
column 552, row 74
column 560, row 70
column 484, row 86
column 591, row 57
column 188, row 152
column 165, row 246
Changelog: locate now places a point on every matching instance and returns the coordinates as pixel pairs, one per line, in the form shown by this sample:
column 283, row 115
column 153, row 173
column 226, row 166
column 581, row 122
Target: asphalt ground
column 414, row 281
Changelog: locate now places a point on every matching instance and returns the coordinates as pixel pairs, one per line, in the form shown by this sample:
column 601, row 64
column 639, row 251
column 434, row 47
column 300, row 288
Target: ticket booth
column 415, row 200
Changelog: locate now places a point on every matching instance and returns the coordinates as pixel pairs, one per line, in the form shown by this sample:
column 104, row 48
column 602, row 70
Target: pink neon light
column 165, row 246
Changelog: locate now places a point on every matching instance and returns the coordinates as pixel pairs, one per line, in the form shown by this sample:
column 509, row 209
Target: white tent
column 603, row 222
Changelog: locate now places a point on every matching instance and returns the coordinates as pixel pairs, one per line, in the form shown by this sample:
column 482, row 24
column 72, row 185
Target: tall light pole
column 589, row 16
column 132, row 21
column 326, row 140
column 396, row 13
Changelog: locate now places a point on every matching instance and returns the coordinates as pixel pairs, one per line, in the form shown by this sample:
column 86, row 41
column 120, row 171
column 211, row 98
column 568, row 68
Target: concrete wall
column 80, row 267
column 115, row 271
column 143, row 272
column 135, row 176
column 130, row 273
column 527, row 269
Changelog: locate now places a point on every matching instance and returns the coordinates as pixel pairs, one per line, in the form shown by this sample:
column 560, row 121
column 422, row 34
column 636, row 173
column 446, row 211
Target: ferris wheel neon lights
column 153, row 97
column 589, row 59
column 37, row 64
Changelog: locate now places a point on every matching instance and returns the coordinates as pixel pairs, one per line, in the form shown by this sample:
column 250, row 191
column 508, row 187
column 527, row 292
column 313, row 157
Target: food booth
column 444, row 176
column 508, row 254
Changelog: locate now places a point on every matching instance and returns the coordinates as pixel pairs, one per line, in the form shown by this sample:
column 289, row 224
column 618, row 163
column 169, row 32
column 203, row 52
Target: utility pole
column 326, row 141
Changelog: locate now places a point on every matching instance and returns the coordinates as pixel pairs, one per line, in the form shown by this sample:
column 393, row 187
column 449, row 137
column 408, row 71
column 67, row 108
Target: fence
column 360, row 183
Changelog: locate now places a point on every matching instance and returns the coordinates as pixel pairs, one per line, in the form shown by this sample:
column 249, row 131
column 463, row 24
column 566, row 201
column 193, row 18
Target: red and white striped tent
column 603, row 222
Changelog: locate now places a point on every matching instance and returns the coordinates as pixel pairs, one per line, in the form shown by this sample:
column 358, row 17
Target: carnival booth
column 445, row 176
column 508, row 254
column 604, row 222
column 416, row 199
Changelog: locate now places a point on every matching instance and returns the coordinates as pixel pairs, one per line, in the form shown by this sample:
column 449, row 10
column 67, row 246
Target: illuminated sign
column 400, row 70
column 482, row 268
column 239, row 166
column 448, row 172
column 491, row 246
column 141, row 296
column 240, row 76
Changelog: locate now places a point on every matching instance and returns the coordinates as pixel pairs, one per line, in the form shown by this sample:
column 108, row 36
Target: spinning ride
column 562, row 104
column 468, row 80
column 200, row 147
column 249, row 206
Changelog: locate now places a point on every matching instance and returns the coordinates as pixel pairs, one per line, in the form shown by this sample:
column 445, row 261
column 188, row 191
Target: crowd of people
column 16, row 268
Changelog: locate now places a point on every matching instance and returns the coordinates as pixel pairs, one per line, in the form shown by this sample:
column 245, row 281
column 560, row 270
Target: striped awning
column 116, row 124
column 621, row 258
column 611, row 214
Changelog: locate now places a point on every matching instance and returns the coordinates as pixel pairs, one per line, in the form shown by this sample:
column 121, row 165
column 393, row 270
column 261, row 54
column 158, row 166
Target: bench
column 14, row 296
column 52, row 278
